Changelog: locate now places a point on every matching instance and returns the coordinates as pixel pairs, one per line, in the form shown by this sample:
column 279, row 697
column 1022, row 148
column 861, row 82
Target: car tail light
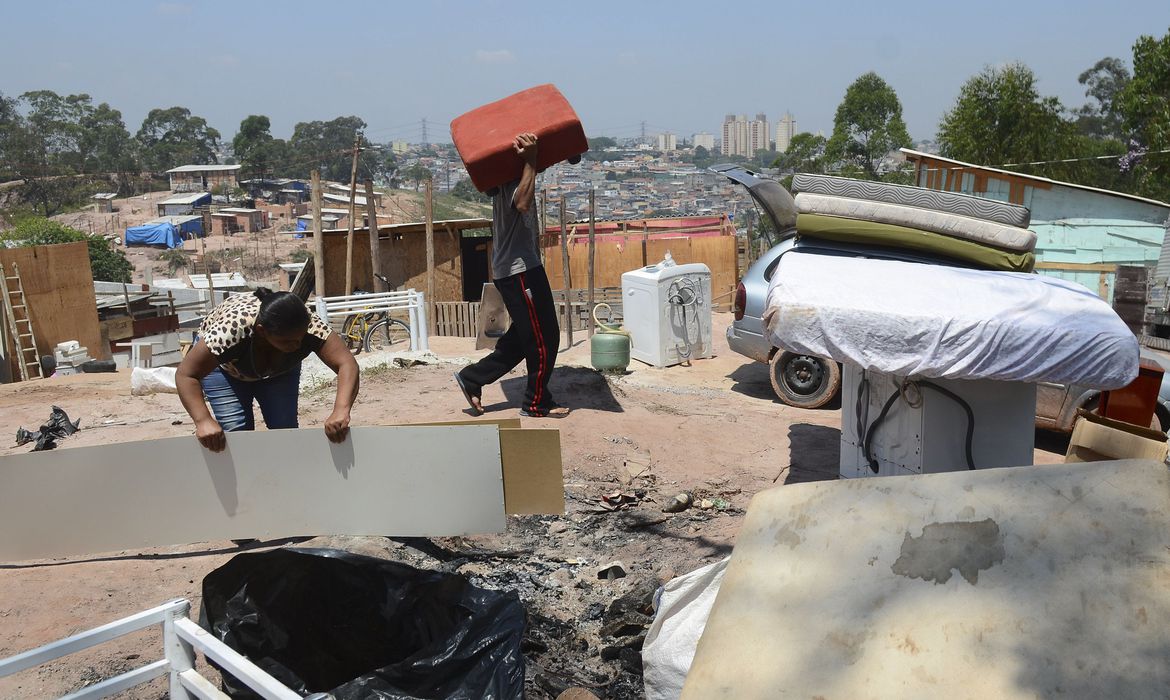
column 740, row 301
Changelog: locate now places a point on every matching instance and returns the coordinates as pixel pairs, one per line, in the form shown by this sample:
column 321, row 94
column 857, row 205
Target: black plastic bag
column 356, row 627
column 58, row 426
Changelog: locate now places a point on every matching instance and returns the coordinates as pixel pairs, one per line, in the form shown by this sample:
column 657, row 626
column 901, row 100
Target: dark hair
column 281, row 312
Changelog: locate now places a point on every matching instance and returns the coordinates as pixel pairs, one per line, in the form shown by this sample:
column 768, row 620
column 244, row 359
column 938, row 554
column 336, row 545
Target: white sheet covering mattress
column 914, row 320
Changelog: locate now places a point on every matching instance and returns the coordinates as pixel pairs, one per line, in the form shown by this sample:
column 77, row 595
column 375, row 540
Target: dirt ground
column 713, row 428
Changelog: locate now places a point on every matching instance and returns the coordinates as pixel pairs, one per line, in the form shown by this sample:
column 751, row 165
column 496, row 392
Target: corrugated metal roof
column 105, row 195
column 187, row 198
column 1025, row 176
column 238, row 210
column 203, row 168
column 221, row 280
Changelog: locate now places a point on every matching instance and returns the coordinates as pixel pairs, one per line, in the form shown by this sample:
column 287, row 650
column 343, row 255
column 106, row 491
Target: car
column 807, row 381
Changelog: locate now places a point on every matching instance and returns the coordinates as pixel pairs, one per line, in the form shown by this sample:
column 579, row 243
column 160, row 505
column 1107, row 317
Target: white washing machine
column 925, row 429
column 666, row 308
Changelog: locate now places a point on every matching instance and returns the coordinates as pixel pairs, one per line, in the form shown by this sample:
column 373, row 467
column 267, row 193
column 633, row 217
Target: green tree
column 105, row 143
column 465, row 190
column 326, row 146
column 107, row 263
column 701, row 157
column 417, row 174
column 600, row 143
column 253, row 145
column 1145, row 107
column 173, row 137
column 805, row 154
column 1000, row 118
column 1104, row 84
column 868, row 124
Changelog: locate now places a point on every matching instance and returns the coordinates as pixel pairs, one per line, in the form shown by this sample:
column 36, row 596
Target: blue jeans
column 231, row 400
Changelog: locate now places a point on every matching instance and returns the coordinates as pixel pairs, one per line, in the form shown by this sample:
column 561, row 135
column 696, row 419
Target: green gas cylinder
column 610, row 346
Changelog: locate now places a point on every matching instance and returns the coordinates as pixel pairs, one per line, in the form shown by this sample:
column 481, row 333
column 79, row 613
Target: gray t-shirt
column 514, row 235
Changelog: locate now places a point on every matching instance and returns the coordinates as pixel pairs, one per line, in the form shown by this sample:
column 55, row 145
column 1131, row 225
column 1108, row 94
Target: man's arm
column 524, row 196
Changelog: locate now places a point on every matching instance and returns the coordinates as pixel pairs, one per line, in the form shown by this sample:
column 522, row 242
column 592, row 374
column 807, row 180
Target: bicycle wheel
column 388, row 334
column 351, row 334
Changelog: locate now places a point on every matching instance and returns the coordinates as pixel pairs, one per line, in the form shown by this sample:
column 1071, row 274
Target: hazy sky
column 679, row 66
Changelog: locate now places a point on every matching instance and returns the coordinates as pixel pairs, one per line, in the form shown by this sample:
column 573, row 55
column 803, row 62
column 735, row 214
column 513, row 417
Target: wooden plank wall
column 459, row 319
column 717, row 252
column 404, row 259
column 58, row 287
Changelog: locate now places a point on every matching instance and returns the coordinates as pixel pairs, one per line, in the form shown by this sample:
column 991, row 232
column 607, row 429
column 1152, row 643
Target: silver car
column 807, row 381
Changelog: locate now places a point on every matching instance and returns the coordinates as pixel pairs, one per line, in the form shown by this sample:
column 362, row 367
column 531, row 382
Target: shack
column 237, row 220
column 181, row 204
column 203, row 178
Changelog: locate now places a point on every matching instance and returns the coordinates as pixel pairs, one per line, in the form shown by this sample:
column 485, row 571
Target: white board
column 395, row 481
column 1027, row 582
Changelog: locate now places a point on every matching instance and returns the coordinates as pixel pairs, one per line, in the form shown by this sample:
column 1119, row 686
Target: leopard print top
column 227, row 333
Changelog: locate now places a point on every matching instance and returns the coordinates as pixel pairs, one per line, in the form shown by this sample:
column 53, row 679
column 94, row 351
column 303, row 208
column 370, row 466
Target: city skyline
column 621, row 65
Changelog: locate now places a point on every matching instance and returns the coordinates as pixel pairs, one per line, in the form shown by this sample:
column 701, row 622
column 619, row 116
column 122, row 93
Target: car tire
column 804, row 381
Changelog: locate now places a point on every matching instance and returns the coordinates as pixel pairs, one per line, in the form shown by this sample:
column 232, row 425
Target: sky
column 677, row 66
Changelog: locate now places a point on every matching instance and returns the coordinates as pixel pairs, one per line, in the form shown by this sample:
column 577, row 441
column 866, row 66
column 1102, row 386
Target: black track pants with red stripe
column 533, row 337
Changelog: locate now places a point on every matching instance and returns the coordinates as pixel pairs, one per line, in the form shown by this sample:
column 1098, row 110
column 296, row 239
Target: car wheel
column 804, row 381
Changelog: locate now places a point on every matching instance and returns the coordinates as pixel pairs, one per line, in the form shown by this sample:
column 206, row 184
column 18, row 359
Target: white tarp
column 910, row 319
column 682, row 614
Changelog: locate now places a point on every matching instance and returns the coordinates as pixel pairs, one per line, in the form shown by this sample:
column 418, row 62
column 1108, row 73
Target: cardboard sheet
column 1028, row 582
column 400, row 481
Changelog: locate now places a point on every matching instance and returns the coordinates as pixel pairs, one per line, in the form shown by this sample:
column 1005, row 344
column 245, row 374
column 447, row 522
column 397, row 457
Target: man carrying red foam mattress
column 519, row 275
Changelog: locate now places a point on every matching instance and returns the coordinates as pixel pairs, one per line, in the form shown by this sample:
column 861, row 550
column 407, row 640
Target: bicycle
column 374, row 331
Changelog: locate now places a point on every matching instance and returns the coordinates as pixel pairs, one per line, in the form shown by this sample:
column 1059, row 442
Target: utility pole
column 430, row 228
column 352, row 214
column 592, row 252
column 424, row 132
column 375, row 245
column 318, row 238
column 568, row 280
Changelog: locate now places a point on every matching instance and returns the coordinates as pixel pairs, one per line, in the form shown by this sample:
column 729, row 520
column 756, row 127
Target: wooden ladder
column 19, row 324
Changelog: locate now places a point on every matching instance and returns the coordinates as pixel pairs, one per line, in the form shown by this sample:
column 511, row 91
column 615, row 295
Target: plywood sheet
column 58, row 287
column 400, row 481
column 534, row 481
column 1027, row 582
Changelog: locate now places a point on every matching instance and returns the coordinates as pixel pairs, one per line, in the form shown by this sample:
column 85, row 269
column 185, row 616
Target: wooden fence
column 581, row 314
column 459, row 319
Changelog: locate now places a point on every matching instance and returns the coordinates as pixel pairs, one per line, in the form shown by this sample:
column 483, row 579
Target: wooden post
column 567, row 279
column 318, row 238
column 352, row 214
column 430, row 256
column 207, row 271
column 592, row 253
column 375, row 245
column 645, row 238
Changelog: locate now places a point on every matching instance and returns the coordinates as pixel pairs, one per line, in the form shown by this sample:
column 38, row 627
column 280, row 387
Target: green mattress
column 835, row 228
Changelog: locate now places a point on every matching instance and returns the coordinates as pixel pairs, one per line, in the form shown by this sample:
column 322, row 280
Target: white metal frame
column 181, row 639
column 413, row 301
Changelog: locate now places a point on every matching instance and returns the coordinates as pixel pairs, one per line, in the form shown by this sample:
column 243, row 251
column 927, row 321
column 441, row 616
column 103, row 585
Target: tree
column 805, row 154
column 1145, row 107
column 1104, row 82
column 868, row 124
column 253, row 145
column 417, row 174
column 600, row 143
column 107, row 263
column 465, row 190
column 105, row 143
column 325, row 146
column 999, row 118
column 173, row 137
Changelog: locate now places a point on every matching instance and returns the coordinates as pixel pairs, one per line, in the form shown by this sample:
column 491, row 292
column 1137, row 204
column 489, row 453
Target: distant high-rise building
column 785, row 130
column 742, row 137
column 705, row 140
column 667, row 142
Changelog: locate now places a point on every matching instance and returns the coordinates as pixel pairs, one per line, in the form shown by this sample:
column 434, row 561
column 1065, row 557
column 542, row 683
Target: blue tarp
column 191, row 229
column 302, row 225
column 154, row 234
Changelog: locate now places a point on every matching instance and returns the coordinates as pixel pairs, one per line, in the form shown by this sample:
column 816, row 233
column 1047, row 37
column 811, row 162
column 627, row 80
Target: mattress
column 979, row 230
column 835, row 228
column 951, row 202
column 484, row 135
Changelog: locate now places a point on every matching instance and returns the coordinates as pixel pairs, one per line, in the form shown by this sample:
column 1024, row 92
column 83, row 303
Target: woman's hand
column 210, row 435
column 337, row 425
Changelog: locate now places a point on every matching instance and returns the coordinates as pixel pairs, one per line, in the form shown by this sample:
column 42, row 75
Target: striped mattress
column 957, row 226
column 950, row 202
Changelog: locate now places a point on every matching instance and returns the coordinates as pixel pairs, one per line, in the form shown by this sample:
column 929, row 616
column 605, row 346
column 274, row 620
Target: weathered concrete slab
column 1048, row 581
